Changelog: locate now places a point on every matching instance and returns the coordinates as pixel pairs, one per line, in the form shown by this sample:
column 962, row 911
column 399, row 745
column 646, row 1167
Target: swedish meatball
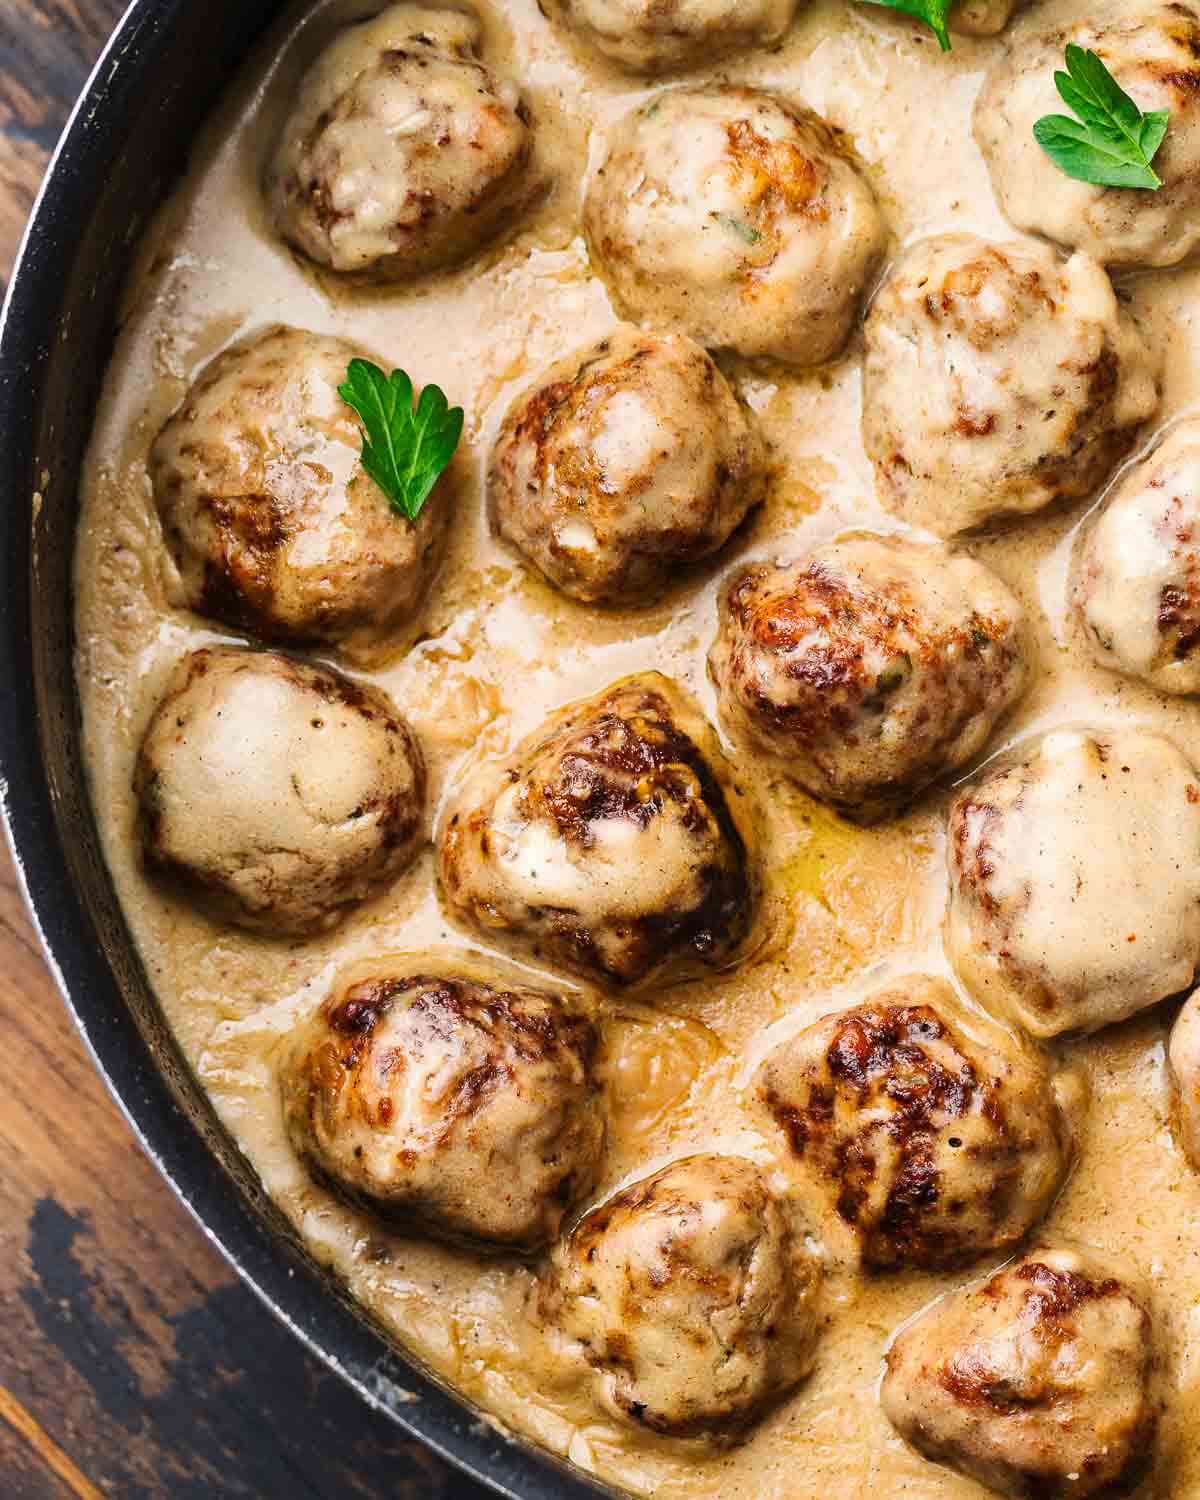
column 272, row 523
column 1137, row 570
column 997, row 380
column 1152, row 50
column 1184, row 1058
column 1075, row 880
column 648, row 36
column 609, row 842
column 277, row 794
column 467, row 1107
column 1039, row 1383
column 626, row 460
column 931, row 1134
column 737, row 218
column 692, row 1298
column 869, row 668
column 403, row 153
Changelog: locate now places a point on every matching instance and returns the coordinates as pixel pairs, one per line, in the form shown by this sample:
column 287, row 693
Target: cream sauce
column 500, row 650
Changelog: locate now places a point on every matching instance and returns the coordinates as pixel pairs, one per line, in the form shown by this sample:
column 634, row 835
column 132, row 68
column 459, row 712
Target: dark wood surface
column 132, row 1363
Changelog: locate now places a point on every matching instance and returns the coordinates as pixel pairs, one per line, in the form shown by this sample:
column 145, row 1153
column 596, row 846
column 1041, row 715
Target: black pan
column 124, row 145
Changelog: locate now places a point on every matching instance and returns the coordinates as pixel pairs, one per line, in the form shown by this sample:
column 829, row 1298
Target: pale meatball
column 983, row 17
column 273, row 525
column 737, row 218
column 277, row 794
column 1137, row 571
column 930, row 1133
column 610, row 842
column 626, row 461
column 1075, row 880
column 402, row 153
column 1039, row 1383
column 997, row 380
column 869, row 668
column 1184, row 1057
column 1152, row 50
column 469, row 1109
column 692, row 1298
column 662, row 36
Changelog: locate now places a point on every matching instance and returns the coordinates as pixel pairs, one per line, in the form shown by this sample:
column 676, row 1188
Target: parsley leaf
column 932, row 12
column 739, row 227
column 404, row 450
column 1112, row 143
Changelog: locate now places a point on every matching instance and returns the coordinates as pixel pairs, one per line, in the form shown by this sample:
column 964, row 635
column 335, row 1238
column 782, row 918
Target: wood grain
column 132, row 1363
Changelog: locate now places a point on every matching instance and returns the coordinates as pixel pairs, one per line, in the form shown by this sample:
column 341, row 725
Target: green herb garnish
column 1112, row 143
column 743, row 230
column 932, row 12
column 404, row 449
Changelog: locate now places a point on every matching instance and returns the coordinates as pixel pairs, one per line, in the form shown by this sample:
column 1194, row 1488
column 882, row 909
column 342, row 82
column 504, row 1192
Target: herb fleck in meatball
column 276, row 793
column 608, row 842
column 660, row 36
column 403, row 153
column 934, row 1136
column 868, row 669
column 1137, row 572
column 692, row 1298
column 736, row 218
column 273, row 525
column 1075, row 880
column 467, row 1108
column 627, row 460
column 1153, row 51
column 1038, row 1383
column 998, row 379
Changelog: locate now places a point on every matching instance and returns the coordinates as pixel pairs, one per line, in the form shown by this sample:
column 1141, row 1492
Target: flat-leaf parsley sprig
column 933, row 12
column 1112, row 143
column 405, row 448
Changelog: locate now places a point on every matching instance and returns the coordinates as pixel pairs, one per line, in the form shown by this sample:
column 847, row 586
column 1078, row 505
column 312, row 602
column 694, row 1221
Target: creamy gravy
column 499, row 649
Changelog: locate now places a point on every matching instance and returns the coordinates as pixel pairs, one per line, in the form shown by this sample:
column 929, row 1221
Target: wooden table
column 132, row 1363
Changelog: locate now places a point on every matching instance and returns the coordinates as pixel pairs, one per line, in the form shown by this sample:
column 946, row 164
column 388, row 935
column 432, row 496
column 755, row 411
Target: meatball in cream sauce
column 664, row 36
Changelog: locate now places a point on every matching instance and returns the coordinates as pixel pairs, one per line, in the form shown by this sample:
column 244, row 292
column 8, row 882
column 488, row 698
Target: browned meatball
column 932, row 1134
column 277, row 794
column 659, row 36
column 273, row 525
column 467, row 1108
column 692, row 1298
column 627, row 460
column 608, row 842
column 868, row 669
column 1039, row 1383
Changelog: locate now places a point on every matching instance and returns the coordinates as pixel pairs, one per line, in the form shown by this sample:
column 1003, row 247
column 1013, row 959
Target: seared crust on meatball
column 1183, row 1055
column 275, row 793
column 403, row 153
column 609, row 842
column 1075, row 880
column 468, row 1109
column 1152, row 49
column 661, row 36
column 997, row 380
column 628, row 459
column 272, row 523
column 692, row 1298
column 737, row 218
column 868, row 669
column 933, row 1135
column 1039, row 1383
column 1137, row 570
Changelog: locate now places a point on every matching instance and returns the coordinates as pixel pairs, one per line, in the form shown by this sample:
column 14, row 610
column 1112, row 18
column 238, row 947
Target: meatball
column 1184, row 1058
column 609, row 842
column 1137, row 571
column 737, row 218
column 626, row 460
column 648, row 36
column 276, row 793
column 692, row 1298
column 467, row 1107
column 402, row 153
column 983, row 17
column 272, row 523
column 1153, row 51
column 1075, row 880
column 1038, row 1383
column 928, row 1131
column 997, row 380
column 869, row 668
